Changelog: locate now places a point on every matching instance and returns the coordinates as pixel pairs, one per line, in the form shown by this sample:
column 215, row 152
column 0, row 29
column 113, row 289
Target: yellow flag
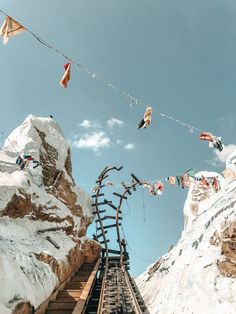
column 10, row 28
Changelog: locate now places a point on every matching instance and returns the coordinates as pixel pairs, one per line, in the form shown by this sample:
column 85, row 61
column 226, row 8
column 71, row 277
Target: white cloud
column 221, row 157
column 113, row 122
column 129, row 146
column 94, row 141
column 119, row 142
column 94, row 76
column 89, row 124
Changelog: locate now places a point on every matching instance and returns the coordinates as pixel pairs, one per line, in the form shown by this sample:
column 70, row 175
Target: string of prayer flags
column 10, row 28
column 66, row 75
column 184, row 180
column 214, row 141
column 154, row 189
column 208, row 182
column 146, row 121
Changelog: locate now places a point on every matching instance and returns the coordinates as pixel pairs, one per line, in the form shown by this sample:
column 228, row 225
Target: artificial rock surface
column 198, row 275
column 44, row 217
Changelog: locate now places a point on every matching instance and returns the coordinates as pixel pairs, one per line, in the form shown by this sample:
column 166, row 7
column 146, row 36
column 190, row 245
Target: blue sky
column 178, row 56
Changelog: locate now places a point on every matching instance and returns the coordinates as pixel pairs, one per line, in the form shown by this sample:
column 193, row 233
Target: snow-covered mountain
column 44, row 216
column 198, row 275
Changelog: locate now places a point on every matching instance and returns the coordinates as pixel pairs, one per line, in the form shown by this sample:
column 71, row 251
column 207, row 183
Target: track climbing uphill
column 118, row 292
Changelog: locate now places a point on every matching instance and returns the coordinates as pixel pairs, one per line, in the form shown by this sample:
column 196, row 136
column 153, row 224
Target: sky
column 176, row 56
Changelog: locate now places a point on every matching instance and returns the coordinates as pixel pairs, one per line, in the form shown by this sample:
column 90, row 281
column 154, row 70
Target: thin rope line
column 115, row 184
column 132, row 100
column 144, row 208
column 126, row 214
column 140, row 257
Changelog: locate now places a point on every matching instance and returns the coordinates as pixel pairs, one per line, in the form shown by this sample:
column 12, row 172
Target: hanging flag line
column 156, row 187
column 132, row 100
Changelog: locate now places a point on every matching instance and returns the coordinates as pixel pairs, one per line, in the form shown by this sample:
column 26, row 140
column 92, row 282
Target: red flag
column 206, row 136
column 159, row 187
column 204, row 181
column 216, row 184
column 66, row 76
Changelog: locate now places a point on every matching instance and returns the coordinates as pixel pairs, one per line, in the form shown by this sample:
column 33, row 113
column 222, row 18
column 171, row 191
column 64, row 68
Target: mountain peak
column 44, row 215
column 198, row 275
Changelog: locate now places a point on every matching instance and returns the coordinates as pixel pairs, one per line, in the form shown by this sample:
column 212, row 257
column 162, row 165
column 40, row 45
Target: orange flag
column 206, row 136
column 66, row 76
column 10, row 28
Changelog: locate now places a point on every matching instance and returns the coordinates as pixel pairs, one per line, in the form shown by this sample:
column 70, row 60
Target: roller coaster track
column 118, row 292
column 105, row 287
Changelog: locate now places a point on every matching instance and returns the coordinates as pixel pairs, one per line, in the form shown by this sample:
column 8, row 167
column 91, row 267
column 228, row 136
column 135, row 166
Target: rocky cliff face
column 198, row 275
column 43, row 215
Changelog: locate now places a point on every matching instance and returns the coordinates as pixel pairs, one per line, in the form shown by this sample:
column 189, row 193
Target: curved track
column 106, row 287
column 119, row 293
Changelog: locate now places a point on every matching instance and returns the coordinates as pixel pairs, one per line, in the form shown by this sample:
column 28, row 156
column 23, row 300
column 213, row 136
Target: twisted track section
column 119, row 294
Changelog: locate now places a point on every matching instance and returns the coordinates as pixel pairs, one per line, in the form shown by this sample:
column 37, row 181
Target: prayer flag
column 204, row 181
column 109, row 183
column 159, row 187
column 146, row 121
column 66, row 76
column 216, row 184
column 171, row 180
column 187, row 181
column 10, row 28
column 214, row 141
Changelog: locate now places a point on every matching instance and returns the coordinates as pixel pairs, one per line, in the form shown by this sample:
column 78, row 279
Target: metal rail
column 117, row 293
column 106, row 288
